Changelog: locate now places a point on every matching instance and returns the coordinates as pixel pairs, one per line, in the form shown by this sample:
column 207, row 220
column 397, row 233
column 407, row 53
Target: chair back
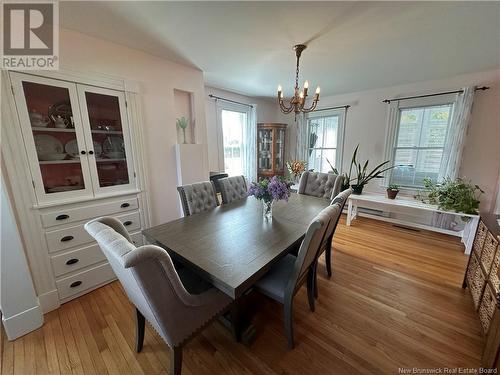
column 233, row 188
column 148, row 278
column 341, row 199
column 321, row 185
column 330, row 229
column 197, row 197
column 310, row 246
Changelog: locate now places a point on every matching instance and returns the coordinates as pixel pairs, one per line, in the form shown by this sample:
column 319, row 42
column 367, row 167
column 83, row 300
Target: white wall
column 21, row 312
column 266, row 112
column 367, row 122
column 157, row 79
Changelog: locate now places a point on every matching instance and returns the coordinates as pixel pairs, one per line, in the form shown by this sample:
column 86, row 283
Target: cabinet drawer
column 488, row 253
column 77, row 259
column 477, row 246
column 67, row 238
column 86, row 256
column 73, row 214
column 84, row 280
column 477, row 286
column 487, row 308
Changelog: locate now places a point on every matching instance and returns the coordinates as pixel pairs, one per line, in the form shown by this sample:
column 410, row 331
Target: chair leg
column 176, row 360
column 140, row 324
column 316, row 280
column 288, row 312
column 311, row 287
column 328, row 260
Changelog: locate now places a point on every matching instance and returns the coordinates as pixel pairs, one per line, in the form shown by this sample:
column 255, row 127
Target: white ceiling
column 246, row 46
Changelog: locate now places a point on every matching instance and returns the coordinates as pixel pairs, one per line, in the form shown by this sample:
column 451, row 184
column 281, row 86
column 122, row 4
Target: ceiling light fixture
column 298, row 100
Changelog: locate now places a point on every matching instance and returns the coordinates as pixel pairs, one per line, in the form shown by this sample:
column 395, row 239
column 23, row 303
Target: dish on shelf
column 97, row 149
column 71, row 147
column 47, row 145
column 37, row 120
column 51, row 157
column 113, row 143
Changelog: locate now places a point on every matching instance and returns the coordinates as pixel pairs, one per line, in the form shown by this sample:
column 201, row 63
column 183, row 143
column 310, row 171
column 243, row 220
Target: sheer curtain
column 250, row 145
column 302, row 141
column 455, row 140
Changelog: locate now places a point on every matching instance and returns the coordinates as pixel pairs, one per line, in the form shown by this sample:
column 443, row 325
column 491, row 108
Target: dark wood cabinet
column 270, row 149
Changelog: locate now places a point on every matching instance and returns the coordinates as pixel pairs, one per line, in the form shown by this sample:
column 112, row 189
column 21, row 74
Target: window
column 419, row 143
column 325, row 139
column 233, row 125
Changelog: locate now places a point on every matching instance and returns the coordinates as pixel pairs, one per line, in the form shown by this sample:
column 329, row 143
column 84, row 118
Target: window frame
column 394, row 116
column 339, row 149
column 231, row 107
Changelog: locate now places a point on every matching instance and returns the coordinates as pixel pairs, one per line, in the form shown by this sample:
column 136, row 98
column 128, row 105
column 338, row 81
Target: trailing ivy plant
column 452, row 195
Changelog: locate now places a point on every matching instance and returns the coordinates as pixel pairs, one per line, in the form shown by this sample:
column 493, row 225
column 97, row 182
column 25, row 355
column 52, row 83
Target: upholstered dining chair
column 321, row 185
column 155, row 289
column 326, row 247
column 233, row 188
column 286, row 277
column 197, row 197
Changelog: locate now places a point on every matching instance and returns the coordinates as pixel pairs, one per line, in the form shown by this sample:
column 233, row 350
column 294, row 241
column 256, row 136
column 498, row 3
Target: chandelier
column 298, row 100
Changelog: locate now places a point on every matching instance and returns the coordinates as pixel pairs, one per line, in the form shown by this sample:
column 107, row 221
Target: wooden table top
column 232, row 246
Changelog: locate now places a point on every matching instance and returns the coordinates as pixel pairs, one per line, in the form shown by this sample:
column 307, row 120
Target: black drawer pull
column 67, row 238
column 127, row 223
column 72, row 261
column 75, row 284
column 62, row 217
column 125, row 205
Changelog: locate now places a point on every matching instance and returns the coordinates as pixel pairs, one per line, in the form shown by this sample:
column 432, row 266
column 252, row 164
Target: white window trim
column 226, row 106
column 341, row 112
column 393, row 115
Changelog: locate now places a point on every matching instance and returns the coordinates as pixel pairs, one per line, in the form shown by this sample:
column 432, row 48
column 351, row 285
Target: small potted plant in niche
column 269, row 191
column 392, row 191
column 182, row 123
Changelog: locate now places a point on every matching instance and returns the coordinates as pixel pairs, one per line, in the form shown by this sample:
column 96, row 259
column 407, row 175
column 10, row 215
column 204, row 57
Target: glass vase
column 267, row 211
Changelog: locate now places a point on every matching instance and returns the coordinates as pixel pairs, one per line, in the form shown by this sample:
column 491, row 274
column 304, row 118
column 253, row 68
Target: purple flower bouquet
column 269, row 191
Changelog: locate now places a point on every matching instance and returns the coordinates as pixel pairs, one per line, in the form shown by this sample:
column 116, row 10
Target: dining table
column 232, row 246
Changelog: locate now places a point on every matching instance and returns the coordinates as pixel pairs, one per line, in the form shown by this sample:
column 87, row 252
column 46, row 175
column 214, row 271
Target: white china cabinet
column 81, row 157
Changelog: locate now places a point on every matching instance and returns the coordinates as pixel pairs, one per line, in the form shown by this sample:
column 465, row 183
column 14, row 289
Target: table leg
column 349, row 212
column 238, row 323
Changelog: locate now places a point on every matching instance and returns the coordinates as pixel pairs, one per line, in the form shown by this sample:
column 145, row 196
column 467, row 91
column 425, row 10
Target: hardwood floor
column 394, row 300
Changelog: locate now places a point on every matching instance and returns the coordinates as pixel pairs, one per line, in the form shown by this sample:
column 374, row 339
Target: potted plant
column 182, row 123
column 344, row 176
column 392, row 191
column 452, row 195
column 362, row 174
column 269, row 191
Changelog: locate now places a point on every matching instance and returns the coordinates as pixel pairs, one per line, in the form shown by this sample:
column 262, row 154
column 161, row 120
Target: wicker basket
column 488, row 253
column 477, row 286
column 487, row 308
column 477, row 246
column 471, row 270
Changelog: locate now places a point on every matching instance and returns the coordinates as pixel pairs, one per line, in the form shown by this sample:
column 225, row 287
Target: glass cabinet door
column 53, row 135
column 107, row 131
column 265, row 149
column 279, row 149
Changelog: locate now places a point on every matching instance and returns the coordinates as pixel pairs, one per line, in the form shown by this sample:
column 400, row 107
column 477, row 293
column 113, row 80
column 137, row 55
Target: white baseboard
column 23, row 323
column 49, row 301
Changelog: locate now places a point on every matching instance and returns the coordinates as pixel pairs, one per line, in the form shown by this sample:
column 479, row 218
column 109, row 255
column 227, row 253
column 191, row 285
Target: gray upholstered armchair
column 321, row 185
column 233, row 188
column 154, row 287
column 198, row 197
column 286, row 277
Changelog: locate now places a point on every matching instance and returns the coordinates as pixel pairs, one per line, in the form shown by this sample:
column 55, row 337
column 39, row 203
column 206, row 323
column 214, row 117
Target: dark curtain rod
column 229, row 100
column 482, row 88
column 329, row 108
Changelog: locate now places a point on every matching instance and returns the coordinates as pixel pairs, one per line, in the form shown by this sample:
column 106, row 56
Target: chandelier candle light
column 298, row 100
